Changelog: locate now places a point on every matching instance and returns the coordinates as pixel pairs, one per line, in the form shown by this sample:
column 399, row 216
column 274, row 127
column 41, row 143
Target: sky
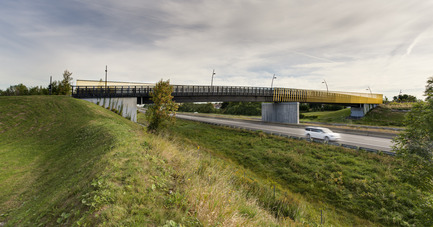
column 360, row 46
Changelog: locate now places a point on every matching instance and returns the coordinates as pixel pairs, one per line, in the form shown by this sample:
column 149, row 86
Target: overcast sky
column 353, row 45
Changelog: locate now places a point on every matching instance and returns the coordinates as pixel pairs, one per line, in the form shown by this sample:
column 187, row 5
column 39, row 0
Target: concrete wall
column 361, row 110
column 286, row 112
column 126, row 106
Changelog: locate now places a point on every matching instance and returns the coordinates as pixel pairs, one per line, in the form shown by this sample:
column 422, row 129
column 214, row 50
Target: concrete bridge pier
column 285, row 112
column 359, row 111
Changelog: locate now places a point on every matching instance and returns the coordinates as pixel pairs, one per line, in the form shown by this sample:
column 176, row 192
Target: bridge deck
column 189, row 93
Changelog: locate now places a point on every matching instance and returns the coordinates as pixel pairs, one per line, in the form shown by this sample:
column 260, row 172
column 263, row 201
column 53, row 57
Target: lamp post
column 273, row 77
column 369, row 89
column 324, row 82
column 211, row 82
column 106, row 70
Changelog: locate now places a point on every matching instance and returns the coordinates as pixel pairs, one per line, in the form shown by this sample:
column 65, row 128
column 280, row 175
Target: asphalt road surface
column 371, row 142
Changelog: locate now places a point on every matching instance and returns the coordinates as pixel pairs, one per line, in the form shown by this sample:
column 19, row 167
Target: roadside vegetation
column 391, row 114
column 229, row 108
column 351, row 186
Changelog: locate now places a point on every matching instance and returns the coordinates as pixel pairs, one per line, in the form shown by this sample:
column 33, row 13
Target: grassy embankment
column 354, row 188
column 69, row 162
column 391, row 114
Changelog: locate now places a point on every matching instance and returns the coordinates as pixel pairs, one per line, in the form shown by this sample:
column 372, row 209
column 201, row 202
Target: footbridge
column 282, row 101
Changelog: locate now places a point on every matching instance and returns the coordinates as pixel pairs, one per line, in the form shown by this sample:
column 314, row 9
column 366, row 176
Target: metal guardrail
column 271, row 94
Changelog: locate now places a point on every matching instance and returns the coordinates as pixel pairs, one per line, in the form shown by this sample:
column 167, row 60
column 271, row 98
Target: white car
column 321, row 133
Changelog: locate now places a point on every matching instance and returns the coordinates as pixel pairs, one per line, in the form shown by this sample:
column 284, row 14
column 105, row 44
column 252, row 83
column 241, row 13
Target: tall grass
column 69, row 162
column 358, row 187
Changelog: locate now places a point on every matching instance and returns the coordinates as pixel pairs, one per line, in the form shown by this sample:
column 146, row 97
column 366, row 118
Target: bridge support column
column 127, row 107
column 286, row 112
column 359, row 111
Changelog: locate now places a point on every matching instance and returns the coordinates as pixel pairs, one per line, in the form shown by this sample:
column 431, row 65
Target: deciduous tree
column 163, row 110
column 429, row 89
column 65, row 84
column 415, row 145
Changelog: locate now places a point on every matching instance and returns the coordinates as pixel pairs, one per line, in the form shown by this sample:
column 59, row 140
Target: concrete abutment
column 127, row 107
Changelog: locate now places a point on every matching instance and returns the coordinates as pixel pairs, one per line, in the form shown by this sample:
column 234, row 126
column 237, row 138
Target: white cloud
column 351, row 44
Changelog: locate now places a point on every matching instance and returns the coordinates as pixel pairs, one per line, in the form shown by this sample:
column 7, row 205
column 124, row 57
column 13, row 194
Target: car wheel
column 326, row 139
column 308, row 137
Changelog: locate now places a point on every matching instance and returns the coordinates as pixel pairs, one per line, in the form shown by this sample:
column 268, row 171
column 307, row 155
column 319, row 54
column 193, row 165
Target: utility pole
column 106, row 70
column 273, row 77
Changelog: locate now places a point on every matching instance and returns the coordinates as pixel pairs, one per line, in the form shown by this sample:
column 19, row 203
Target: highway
column 371, row 142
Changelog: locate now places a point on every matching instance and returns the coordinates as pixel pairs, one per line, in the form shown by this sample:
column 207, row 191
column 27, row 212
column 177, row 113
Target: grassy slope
column 383, row 115
column 352, row 186
column 68, row 162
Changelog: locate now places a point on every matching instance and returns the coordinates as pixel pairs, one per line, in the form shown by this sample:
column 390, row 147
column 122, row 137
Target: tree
column 244, row 108
column 15, row 90
column 404, row 98
column 415, row 145
column 429, row 89
column 164, row 109
column 65, row 84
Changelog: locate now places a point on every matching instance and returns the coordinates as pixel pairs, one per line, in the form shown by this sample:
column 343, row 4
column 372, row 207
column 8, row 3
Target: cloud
column 384, row 45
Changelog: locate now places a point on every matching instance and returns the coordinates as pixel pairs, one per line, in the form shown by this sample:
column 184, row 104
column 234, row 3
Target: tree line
column 61, row 87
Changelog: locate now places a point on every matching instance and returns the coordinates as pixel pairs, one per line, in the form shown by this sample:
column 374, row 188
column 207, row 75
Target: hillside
column 384, row 115
column 69, row 162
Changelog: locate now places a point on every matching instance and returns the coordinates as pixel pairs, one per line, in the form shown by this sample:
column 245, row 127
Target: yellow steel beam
column 316, row 96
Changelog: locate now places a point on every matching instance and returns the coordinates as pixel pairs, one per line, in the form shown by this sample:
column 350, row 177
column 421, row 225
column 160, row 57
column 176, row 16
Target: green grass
column 383, row 115
column 69, row 162
column 356, row 188
column 339, row 116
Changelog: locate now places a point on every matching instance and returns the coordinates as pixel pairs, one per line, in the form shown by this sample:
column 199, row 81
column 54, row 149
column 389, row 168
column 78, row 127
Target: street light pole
column 211, row 82
column 106, row 70
column 324, row 82
column 369, row 89
column 273, row 77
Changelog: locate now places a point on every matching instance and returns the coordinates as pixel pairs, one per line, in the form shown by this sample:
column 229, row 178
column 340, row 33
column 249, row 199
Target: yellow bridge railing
column 316, row 96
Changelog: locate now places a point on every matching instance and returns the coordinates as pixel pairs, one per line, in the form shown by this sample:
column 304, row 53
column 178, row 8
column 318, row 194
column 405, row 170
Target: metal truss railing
column 316, row 96
column 275, row 94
